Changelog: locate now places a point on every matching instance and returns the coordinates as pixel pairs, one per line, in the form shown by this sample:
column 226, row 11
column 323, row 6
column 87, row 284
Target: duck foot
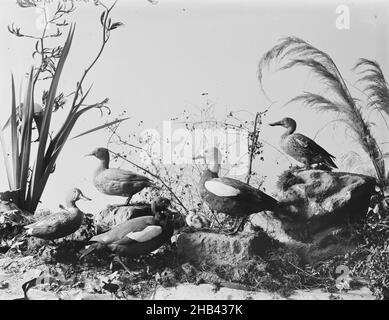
column 118, row 260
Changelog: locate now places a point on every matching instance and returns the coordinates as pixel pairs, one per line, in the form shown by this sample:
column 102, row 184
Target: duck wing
column 147, row 234
column 123, row 176
column 48, row 223
column 232, row 188
column 121, row 230
column 313, row 150
column 117, row 181
column 223, row 187
column 310, row 146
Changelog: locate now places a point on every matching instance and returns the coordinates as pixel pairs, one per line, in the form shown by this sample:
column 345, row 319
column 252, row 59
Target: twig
column 253, row 147
column 155, row 176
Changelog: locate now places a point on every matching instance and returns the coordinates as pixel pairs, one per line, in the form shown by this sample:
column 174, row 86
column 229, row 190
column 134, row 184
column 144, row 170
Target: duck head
column 99, row 153
column 73, row 196
column 103, row 155
column 160, row 204
column 212, row 157
column 287, row 123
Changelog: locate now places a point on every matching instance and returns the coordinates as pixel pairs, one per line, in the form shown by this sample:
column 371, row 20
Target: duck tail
column 154, row 186
column 271, row 203
column 330, row 162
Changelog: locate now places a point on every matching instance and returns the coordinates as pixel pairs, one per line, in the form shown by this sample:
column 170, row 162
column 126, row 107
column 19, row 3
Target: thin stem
column 253, row 146
column 155, row 176
column 104, row 42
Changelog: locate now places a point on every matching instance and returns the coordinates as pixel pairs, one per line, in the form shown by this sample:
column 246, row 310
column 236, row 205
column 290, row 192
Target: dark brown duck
column 230, row 196
column 136, row 236
column 302, row 148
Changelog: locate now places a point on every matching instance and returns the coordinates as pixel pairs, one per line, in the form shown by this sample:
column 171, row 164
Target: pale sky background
column 168, row 54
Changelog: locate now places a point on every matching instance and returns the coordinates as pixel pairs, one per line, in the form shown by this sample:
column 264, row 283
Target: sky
column 167, row 55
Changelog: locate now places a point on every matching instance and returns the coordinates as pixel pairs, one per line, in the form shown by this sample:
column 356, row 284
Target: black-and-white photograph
column 202, row 150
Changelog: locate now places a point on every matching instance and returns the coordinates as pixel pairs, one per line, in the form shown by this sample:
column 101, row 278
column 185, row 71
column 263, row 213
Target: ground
column 158, row 276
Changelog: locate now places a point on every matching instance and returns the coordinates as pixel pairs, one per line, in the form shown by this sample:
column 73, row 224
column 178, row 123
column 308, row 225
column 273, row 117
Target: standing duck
column 302, row 148
column 230, row 196
column 115, row 181
column 61, row 223
column 137, row 236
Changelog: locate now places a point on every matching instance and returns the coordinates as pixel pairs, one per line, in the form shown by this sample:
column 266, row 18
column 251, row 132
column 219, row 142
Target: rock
column 314, row 200
column 114, row 215
column 314, row 207
column 322, row 246
column 220, row 249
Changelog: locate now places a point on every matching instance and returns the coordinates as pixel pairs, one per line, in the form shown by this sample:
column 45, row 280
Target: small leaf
column 116, row 25
column 102, row 18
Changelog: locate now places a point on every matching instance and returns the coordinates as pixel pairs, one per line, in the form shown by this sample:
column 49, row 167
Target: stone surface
column 315, row 206
column 114, row 215
column 314, row 200
column 323, row 245
column 220, row 249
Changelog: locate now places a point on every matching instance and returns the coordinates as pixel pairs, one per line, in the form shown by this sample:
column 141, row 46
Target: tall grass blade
column 14, row 138
column 25, row 148
column 8, row 167
column 49, row 108
column 99, row 127
column 44, row 134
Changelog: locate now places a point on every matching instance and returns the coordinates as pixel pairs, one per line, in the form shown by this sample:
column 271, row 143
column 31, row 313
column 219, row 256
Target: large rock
column 314, row 200
column 114, row 215
column 220, row 249
column 314, row 208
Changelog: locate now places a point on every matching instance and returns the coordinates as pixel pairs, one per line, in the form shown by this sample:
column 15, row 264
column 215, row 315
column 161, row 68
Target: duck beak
column 278, row 123
column 85, row 198
column 89, row 155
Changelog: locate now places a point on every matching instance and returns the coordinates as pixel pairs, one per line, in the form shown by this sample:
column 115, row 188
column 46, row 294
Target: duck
column 115, row 181
column 137, row 236
column 230, row 196
column 62, row 223
column 302, row 148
